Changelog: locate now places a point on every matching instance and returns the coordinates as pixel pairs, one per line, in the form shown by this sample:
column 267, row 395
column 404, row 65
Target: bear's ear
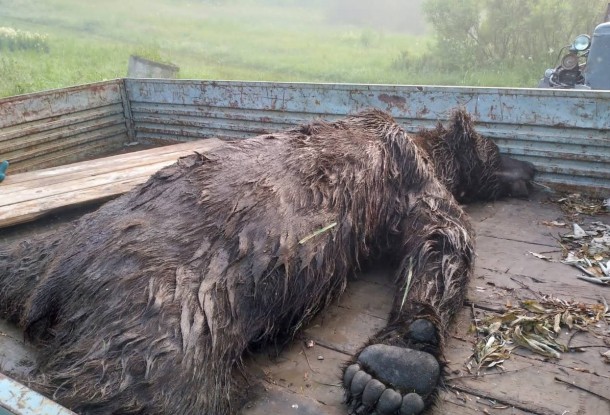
column 309, row 129
column 461, row 134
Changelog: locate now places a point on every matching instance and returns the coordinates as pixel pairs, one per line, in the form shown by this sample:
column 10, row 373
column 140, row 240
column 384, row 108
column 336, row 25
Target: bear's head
column 470, row 165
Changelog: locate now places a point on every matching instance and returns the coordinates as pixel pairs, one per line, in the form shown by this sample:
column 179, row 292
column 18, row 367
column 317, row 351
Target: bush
column 13, row 40
column 508, row 34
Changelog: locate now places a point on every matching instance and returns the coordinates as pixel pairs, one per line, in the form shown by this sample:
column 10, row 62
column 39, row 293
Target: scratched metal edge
column 345, row 85
column 21, row 400
column 69, row 89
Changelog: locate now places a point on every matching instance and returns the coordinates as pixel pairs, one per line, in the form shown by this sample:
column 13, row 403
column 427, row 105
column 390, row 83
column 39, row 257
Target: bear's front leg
column 399, row 370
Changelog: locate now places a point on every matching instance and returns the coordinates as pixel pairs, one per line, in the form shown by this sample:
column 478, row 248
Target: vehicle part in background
column 597, row 70
column 587, row 63
column 570, row 71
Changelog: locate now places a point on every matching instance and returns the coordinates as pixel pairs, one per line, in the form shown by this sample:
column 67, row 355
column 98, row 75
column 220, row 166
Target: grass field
column 238, row 39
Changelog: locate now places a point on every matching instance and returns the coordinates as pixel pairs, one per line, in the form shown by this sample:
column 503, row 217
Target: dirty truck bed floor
column 298, row 381
column 303, row 380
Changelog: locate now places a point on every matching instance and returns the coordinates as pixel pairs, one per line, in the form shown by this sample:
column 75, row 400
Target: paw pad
column 391, row 380
column 412, row 403
column 389, row 402
column 422, row 331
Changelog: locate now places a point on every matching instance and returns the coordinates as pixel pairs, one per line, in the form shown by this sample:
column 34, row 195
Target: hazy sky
column 385, row 15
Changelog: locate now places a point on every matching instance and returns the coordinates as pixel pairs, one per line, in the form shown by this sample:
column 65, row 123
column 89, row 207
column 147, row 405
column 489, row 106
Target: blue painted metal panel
column 57, row 127
column 20, row 400
column 565, row 133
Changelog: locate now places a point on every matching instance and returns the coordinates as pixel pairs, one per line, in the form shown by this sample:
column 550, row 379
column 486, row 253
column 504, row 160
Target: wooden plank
column 24, row 190
column 39, row 193
column 360, row 313
column 367, row 297
column 312, row 372
column 455, row 402
column 507, row 271
column 494, row 289
column 516, row 219
column 343, row 329
column 512, row 257
column 44, row 191
column 106, row 164
column 337, row 333
column 37, row 208
column 278, row 400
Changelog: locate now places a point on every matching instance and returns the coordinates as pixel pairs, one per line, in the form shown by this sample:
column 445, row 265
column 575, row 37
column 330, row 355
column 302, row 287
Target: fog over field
column 56, row 43
column 385, row 15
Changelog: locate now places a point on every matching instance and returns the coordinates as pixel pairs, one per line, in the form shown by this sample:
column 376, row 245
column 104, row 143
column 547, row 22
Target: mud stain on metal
column 394, row 101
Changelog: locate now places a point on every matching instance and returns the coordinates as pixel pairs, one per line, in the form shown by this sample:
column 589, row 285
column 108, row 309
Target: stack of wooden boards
column 27, row 196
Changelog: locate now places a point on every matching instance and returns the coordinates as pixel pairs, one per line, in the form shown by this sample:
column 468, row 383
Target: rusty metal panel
column 20, row 400
column 565, row 133
column 57, row 127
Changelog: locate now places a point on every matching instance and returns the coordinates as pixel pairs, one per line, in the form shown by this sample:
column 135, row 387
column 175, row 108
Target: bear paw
column 391, row 380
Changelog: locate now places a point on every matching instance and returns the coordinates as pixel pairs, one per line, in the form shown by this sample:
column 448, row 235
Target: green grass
column 238, row 40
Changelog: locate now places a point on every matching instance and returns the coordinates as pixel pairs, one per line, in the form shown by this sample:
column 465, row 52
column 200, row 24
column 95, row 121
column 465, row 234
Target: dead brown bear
column 147, row 305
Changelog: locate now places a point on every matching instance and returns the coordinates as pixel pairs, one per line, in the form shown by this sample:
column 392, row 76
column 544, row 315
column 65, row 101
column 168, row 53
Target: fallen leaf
column 546, row 258
column 535, row 325
column 534, row 306
column 554, row 223
column 557, row 323
column 578, row 232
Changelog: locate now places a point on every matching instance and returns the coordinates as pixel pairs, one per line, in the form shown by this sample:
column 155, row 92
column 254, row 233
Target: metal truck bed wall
column 565, row 133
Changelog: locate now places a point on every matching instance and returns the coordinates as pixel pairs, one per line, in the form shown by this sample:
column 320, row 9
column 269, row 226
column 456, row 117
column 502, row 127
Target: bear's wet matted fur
column 147, row 305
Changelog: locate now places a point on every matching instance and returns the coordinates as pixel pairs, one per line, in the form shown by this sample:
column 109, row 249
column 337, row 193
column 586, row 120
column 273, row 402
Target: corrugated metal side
column 20, row 400
column 57, row 127
column 565, row 133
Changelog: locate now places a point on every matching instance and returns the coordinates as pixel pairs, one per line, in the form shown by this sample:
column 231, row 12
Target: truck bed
column 305, row 380
column 564, row 133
